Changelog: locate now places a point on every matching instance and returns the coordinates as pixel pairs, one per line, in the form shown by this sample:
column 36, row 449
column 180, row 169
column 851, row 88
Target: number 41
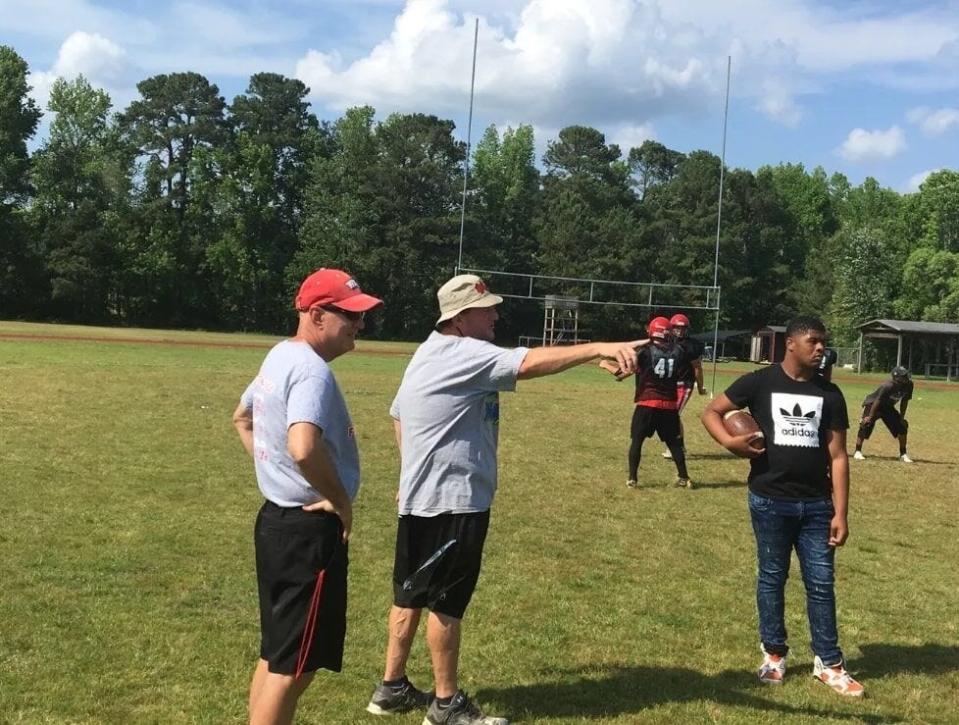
column 661, row 366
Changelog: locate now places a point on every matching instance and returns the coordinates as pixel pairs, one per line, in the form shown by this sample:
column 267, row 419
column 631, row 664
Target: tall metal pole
column 469, row 135
column 719, row 222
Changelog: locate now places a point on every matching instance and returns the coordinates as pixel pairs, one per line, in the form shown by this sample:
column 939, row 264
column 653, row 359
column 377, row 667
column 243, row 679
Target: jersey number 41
column 664, row 367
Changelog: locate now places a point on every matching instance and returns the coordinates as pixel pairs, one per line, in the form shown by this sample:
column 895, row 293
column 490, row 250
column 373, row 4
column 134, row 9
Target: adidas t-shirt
column 793, row 416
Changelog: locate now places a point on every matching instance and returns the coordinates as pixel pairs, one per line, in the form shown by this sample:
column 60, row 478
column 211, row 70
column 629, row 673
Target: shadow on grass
column 625, row 690
column 718, row 456
column 728, row 483
column 881, row 458
column 879, row 660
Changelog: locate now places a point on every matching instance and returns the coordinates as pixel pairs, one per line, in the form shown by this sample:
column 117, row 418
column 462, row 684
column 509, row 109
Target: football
column 739, row 422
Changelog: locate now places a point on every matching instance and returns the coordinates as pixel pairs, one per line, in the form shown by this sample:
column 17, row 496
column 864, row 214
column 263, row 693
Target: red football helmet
column 682, row 322
column 659, row 328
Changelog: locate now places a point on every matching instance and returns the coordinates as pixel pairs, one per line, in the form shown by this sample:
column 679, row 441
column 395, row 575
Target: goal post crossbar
column 708, row 296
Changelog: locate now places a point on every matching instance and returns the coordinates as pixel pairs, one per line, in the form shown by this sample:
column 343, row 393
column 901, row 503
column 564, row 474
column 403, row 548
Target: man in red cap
column 293, row 420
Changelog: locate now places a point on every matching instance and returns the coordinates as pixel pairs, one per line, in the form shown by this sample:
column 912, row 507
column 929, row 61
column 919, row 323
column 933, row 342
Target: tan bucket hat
column 461, row 293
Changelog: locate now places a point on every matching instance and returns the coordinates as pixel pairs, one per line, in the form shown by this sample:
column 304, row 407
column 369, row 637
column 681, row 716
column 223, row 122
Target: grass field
column 126, row 552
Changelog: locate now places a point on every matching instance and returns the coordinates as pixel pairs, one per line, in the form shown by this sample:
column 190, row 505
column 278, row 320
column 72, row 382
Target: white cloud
column 92, row 55
column 610, row 61
column 103, row 62
column 778, row 104
column 55, row 19
column 934, row 122
column 826, row 38
column 862, row 145
column 629, row 136
column 915, row 181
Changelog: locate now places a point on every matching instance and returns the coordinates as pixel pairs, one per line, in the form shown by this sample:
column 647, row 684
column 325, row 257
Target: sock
column 902, row 450
column 396, row 683
column 444, row 702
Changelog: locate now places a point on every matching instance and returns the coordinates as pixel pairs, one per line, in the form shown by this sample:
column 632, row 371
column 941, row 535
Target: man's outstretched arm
column 541, row 361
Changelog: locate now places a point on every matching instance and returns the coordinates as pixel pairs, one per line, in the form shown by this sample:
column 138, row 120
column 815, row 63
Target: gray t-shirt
column 448, row 408
column 295, row 385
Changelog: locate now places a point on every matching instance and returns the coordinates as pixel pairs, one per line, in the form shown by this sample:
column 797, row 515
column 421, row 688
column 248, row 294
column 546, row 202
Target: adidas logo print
column 799, row 424
column 797, row 417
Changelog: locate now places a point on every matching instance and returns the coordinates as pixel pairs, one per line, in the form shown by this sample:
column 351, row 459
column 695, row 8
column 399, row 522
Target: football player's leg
column 669, row 430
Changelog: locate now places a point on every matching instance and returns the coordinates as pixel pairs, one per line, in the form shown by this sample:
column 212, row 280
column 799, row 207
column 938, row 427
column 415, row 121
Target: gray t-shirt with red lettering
column 448, row 409
column 295, row 385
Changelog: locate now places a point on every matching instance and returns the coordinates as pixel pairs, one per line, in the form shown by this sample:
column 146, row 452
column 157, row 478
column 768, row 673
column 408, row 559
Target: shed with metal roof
column 941, row 339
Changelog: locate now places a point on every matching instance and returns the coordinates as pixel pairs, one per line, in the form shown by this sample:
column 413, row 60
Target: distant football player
column 829, row 358
column 657, row 371
column 692, row 369
column 881, row 404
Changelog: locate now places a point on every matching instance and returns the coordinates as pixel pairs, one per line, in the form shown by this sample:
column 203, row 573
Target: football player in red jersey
column 656, row 406
column 692, row 369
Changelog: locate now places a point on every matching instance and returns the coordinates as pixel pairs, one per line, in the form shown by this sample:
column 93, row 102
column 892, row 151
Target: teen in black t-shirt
column 795, row 417
column 798, row 494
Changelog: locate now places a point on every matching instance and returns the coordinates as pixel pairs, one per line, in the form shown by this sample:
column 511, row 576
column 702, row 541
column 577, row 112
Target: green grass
column 127, row 577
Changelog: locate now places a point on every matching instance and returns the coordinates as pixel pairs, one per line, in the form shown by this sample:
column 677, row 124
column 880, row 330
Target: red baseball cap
column 333, row 287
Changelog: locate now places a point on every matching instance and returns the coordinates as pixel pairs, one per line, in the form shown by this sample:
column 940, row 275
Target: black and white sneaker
column 460, row 711
column 392, row 699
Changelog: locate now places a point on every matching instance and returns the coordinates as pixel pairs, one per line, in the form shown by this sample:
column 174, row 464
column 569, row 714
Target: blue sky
column 864, row 88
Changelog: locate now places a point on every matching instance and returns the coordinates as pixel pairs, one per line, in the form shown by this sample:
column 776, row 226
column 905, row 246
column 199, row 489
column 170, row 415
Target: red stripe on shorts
column 310, row 627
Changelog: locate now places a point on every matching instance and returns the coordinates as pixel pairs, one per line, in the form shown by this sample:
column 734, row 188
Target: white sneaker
column 772, row 671
column 632, row 483
column 837, row 678
column 905, row 458
column 859, row 456
column 667, row 455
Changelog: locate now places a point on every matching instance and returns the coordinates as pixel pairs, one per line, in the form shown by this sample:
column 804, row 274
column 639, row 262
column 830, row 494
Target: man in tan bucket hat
column 446, row 418
column 461, row 293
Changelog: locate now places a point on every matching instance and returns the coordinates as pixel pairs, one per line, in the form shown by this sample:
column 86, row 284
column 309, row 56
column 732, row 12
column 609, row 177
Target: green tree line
column 184, row 210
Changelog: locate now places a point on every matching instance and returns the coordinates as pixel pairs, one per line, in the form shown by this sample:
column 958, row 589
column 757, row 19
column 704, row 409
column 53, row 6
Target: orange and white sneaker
column 837, row 678
column 773, row 669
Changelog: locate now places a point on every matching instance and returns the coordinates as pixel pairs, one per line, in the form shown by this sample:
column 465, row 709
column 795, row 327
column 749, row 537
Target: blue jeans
column 781, row 526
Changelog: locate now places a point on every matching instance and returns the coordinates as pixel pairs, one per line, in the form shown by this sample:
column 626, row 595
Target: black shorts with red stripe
column 301, row 569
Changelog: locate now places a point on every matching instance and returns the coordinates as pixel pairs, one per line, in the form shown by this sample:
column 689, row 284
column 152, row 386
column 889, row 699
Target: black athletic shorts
column 301, row 566
column 647, row 421
column 890, row 416
column 431, row 572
